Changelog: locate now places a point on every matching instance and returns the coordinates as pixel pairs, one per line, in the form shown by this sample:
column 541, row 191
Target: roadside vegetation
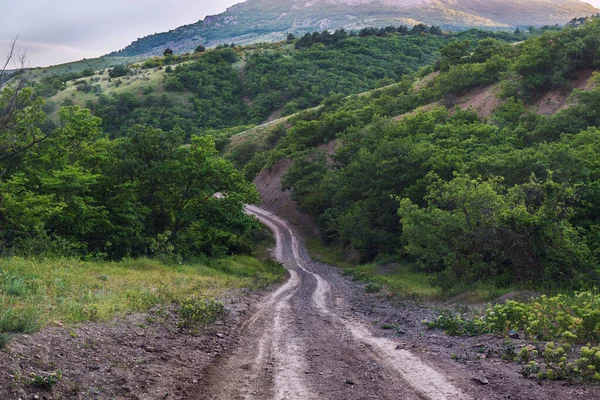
column 92, row 227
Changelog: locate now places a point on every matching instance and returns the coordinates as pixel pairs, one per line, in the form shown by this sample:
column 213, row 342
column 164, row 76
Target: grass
column 137, row 83
column 402, row 280
column 38, row 293
column 78, row 66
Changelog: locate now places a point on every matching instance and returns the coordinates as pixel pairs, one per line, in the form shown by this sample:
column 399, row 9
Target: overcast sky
column 58, row 31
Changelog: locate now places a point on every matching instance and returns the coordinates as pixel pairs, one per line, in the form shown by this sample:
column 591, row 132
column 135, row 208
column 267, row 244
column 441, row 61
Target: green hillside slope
column 246, row 85
column 506, row 198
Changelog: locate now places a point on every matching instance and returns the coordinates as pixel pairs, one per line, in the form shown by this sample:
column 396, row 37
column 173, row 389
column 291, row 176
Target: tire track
column 287, row 333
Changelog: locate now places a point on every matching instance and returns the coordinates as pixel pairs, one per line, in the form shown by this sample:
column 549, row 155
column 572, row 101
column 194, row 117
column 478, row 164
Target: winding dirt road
column 303, row 343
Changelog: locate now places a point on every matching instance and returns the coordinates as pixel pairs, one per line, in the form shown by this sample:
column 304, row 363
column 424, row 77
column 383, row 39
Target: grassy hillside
column 37, row 293
column 246, row 85
column 95, row 64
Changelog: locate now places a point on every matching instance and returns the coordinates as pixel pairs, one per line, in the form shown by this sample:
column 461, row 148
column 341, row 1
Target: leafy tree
column 118, row 71
column 168, row 52
column 454, row 53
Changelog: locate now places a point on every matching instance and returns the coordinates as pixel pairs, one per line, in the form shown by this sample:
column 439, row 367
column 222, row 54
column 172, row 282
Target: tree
column 200, row 49
column 454, row 53
column 21, row 114
column 291, row 37
column 118, row 71
column 168, row 52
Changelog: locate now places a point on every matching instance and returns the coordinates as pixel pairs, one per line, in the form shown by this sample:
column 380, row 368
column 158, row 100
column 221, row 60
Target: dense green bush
column 569, row 318
column 78, row 193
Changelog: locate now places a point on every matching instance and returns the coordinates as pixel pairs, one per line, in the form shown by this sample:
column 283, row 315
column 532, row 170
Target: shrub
column 18, row 320
column 118, row 71
column 4, row 339
column 372, row 288
column 199, row 311
column 563, row 318
column 48, row 381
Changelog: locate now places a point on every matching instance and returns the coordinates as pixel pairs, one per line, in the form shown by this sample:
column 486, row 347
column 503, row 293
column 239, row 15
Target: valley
column 388, row 202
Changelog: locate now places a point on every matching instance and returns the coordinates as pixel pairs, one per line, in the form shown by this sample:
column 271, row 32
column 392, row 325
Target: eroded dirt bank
column 143, row 356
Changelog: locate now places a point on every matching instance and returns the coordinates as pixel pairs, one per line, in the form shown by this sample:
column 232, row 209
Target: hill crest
column 271, row 20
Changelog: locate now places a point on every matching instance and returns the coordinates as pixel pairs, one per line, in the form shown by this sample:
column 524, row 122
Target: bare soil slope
column 279, row 201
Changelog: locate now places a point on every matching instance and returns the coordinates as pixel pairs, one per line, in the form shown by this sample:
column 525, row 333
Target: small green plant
column 530, row 369
column 526, row 355
column 4, row 339
column 456, row 324
column 19, row 320
column 508, row 350
column 14, row 286
column 47, row 382
column 372, row 288
column 200, row 311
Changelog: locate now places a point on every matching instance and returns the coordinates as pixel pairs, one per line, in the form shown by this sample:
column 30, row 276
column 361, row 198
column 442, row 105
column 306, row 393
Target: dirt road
column 303, row 342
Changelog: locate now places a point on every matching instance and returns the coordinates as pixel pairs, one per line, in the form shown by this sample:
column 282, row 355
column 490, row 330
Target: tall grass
column 36, row 293
column 399, row 280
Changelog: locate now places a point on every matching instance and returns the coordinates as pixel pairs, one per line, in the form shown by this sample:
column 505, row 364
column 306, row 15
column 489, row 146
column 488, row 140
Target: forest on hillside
column 236, row 86
column 507, row 199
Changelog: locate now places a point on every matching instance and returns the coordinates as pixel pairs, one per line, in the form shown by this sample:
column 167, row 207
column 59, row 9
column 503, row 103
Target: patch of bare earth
column 279, row 201
column 483, row 100
column 556, row 100
column 142, row 356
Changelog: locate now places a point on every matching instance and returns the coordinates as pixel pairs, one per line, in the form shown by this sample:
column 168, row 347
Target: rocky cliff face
column 270, row 20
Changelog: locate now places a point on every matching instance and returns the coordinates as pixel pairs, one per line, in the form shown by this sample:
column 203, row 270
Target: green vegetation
column 239, row 86
column 67, row 291
column 70, row 191
column 570, row 318
column 201, row 311
column 92, row 228
column 400, row 281
column 504, row 201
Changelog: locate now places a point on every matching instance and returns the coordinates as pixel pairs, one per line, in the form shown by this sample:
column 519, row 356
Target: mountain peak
column 271, row 20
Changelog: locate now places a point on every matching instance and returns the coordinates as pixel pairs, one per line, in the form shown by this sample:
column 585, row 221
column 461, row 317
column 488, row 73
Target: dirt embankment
column 143, row 356
column 556, row 100
column 268, row 183
column 485, row 99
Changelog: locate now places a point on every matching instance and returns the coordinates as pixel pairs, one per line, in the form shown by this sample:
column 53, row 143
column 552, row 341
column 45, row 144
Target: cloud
column 59, row 31
column 595, row 3
column 50, row 53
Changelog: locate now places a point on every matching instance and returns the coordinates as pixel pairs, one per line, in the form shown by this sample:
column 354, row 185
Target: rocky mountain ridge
column 270, row 20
